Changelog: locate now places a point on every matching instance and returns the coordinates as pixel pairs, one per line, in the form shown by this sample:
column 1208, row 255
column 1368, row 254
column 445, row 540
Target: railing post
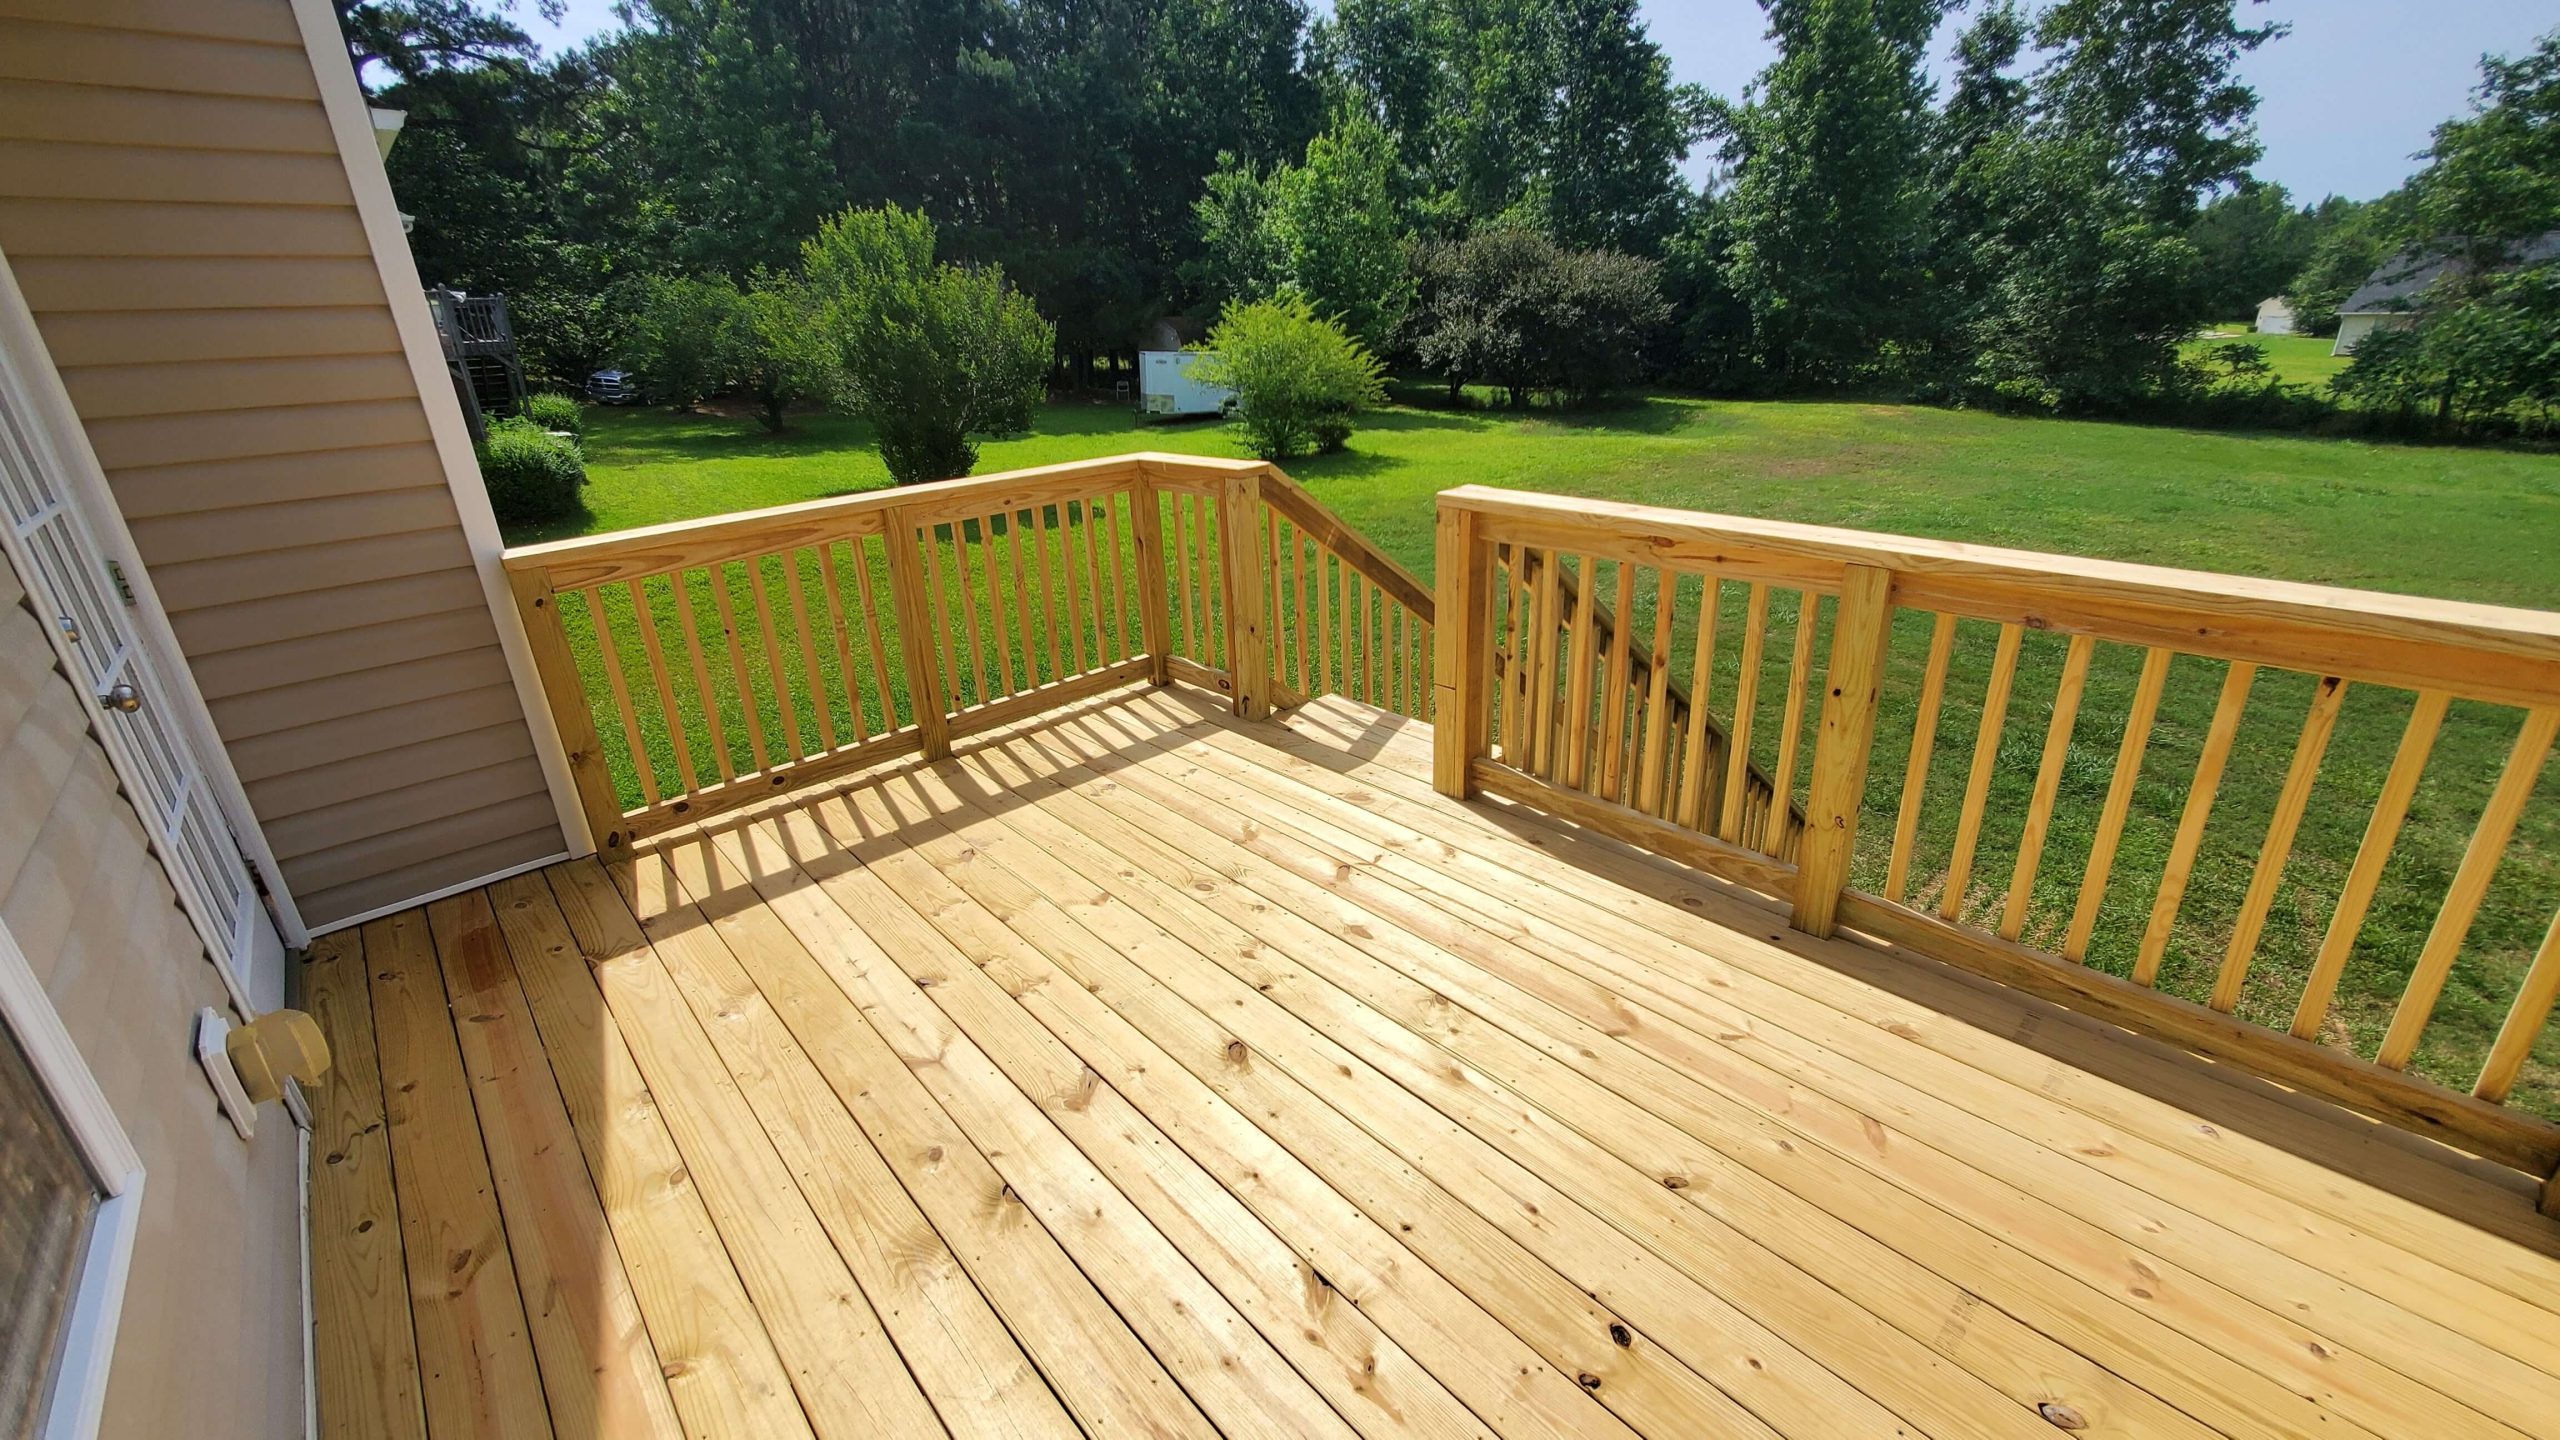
column 1240, row 571
column 1462, row 730
column 917, row 639
column 1852, row 683
column 537, row 606
column 1155, row 611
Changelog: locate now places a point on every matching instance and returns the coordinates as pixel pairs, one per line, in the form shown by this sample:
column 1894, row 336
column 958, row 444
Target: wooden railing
column 730, row 657
column 2156, row 665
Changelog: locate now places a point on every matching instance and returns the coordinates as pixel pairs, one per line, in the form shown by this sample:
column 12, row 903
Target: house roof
column 2400, row 280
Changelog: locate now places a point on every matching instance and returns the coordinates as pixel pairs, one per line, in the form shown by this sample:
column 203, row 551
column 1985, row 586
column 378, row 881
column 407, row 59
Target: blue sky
column 2344, row 101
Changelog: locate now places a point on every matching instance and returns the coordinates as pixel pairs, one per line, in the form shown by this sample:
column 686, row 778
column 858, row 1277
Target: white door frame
column 97, row 1301
column 31, row 389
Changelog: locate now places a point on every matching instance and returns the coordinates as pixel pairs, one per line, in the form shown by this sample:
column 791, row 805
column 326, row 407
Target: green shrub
column 1299, row 380
column 531, row 474
column 553, row 411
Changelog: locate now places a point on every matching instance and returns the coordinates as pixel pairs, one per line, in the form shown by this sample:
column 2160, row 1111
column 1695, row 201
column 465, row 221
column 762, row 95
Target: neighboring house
column 250, row 591
column 2389, row 297
column 2275, row 317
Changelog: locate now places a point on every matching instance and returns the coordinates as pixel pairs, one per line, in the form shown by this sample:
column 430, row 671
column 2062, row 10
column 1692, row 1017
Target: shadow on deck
column 1143, row 1071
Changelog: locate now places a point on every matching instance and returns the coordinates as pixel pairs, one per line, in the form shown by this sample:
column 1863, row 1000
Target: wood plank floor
column 1144, row 1072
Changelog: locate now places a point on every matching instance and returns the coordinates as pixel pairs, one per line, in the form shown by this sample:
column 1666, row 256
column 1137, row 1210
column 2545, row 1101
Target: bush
column 557, row 412
column 531, row 474
column 684, row 338
column 1298, row 379
column 1510, row 307
column 928, row 353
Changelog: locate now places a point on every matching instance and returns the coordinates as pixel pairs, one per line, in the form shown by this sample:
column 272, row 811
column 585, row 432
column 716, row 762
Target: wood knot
column 1587, row 1380
column 1236, row 1052
column 2062, row 1416
column 1621, row 1335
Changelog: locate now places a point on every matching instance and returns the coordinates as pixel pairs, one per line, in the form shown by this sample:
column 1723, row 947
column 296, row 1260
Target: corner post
column 1462, row 688
column 1155, row 611
column 564, row 693
column 918, row 641
column 1851, row 685
column 1241, row 571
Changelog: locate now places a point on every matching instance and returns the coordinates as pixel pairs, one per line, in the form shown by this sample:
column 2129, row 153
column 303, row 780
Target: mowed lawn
column 2461, row 523
column 2300, row 360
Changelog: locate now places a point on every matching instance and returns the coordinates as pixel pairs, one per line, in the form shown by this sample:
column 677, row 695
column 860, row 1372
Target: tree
column 1326, row 230
column 930, row 353
column 2155, row 83
column 777, row 354
column 1510, row 307
column 1299, row 378
column 2252, row 242
column 1619, row 131
column 686, row 338
column 1827, row 213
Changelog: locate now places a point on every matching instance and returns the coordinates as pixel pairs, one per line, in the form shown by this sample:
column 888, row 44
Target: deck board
column 1141, row 1071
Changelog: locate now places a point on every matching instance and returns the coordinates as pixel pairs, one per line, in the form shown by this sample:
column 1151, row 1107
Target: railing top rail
column 2487, row 652
column 680, row 544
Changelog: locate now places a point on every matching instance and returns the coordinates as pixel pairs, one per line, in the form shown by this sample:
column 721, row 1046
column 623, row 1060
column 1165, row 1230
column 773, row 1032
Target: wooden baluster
column 1212, row 602
column 845, row 668
column 2390, row 811
column 1013, row 523
column 646, row 619
column 1542, row 671
column 1746, row 699
column 1430, row 666
column 1181, row 563
column 2290, row 801
column 2119, row 803
column 782, row 697
column 920, row 638
column 1578, row 676
column 2057, row 749
column 872, row 631
column 1049, row 607
column 2182, row 848
column 1621, row 671
column 945, row 646
column 1853, row 684
column 611, row 653
column 1915, row 769
column 702, row 675
column 1464, row 560
column 996, row 608
column 1696, row 778
column 1782, row 784
column 1515, row 651
column 1986, row 756
column 809, row 667
column 1068, row 530
column 1093, row 585
column 1155, row 623
column 2470, row 887
column 750, row 708
column 1275, row 603
column 1657, row 701
column 2524, row 1022
column 1370, row 678
column 968, row 614
column 537, row 605
column 1346, row 680
column 1242, row 569
column 1307, row 644
column 1119, row 575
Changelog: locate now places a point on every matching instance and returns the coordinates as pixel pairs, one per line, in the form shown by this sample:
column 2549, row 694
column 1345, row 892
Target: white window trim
column 27, row 368
column 352, row 123
column 89, row 1338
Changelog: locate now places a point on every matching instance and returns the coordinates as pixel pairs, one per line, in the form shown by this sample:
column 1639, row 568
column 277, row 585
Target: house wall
column 174, row 205
column 2353, row 328
column 210, row 1343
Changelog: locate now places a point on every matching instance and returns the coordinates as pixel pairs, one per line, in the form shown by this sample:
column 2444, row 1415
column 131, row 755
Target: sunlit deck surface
column 1143, row 1071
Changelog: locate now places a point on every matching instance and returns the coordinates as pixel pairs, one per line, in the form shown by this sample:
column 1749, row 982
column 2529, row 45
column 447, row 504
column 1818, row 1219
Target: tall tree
column 1620, row 130
column 1326, row 231
column 2155, row 82
column 2251, row 242
column 1827, row 213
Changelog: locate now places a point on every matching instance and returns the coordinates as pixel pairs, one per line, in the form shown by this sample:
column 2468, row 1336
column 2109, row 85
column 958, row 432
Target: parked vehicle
column 614, row 387
column 1166, row 389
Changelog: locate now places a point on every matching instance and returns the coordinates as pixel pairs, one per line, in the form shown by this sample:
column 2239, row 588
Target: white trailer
column 1166, row 389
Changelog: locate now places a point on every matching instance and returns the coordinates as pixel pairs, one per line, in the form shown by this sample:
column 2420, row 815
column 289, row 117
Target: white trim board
column 89, row 1340
column 432, row 896
column 351, row 121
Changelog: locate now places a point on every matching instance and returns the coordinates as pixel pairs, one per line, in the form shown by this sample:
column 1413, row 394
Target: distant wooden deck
column 1143, row 1072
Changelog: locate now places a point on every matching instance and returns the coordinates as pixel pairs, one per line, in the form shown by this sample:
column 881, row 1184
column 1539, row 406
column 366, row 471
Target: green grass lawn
column 2472, row 524
column 2302, row 360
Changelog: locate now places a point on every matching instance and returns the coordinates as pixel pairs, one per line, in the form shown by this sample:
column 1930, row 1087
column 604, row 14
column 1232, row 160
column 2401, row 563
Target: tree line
column 1487, row 191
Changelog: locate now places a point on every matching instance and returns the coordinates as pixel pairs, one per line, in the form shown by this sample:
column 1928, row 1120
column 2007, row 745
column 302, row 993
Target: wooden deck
column 1146, row 1072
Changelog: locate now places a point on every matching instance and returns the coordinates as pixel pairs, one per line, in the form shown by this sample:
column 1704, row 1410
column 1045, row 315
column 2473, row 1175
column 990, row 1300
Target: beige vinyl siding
column 209, row 1344
column 173, row 204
